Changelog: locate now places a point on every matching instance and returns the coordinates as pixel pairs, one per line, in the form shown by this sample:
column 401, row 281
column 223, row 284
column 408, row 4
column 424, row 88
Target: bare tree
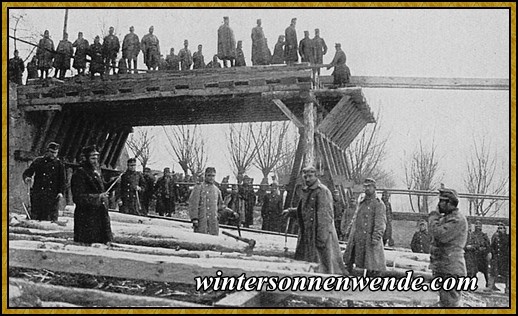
column 421, row 173
column 187, row 145
column 241, row 147
column 269, row 141
column 482, row 178
column 22, row 31
column 283, row 168
column 199, row 158
column 140, row 146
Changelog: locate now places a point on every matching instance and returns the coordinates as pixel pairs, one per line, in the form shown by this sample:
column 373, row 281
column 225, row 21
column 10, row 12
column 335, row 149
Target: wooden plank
column 332, row 119
column 46, row 107
column 88, row 297
column 295, row 171
column 288, row 113
column 309, row 134
column 39, row 144
column 415, row 217
column 119, row 148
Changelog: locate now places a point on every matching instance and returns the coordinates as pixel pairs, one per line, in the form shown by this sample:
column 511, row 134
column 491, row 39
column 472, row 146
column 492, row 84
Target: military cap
column 246, row 177
column 338, row 45
column 306, row 32
column 210, row 169
column 368, row 181
column 132, row 160
column 450, row 195
column 500, row 224
column 147, row 169
column 309, row 169
column 167, row 170
column 294, row 20
column 53, row 146
column 90, row 151
column 225, row 18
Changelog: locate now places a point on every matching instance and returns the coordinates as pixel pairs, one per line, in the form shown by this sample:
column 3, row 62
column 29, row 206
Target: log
column 46, row 293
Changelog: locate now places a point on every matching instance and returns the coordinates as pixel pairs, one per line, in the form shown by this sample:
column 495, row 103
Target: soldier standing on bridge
column 226, row 43
column 132, row 186
column 49, row 184
column 32, row 69
column 320, row 48
column 185, row 56
column 45, row 54
column 198, row 58
column 421, row 240
column 64, row 54
column 131, row 49
column 341, row 73
column 173, row 61
column 240, row 56
column 258, row 45
column 307, row 49
column 151, row 49
column 477, row 249
column 291, row 48
column 449, row 231
column 278, row 51
column 111, row 47
column 81, row 46
column 214, row 63
column 96, row 55
column 16, row 68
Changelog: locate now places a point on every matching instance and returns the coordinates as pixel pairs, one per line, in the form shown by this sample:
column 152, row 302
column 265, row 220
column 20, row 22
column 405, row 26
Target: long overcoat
column 204, row 203
column 365, row 242
column 91, row 219
column 81, row 46
column 64, row 53
column 128, row 192
column 320, row 48
column 130, row 46
column 271, row 212
column 45, row 53
column 291, row 48
column 500, row 254
column 226, row 43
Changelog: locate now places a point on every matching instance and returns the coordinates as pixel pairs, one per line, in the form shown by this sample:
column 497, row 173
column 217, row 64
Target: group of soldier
column 103, row 57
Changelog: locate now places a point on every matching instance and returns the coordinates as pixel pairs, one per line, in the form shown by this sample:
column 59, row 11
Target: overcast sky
column 378, row 42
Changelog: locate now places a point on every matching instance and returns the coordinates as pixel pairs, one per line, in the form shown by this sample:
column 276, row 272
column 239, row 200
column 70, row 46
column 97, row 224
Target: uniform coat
column 421, row 242
column 111, row 47
column 128, row 192
column 49, row 181
column 500, row 254
column 64, row 54
column 204, row 203
column 292, row 45
column 341, row 73
column 317, row 240
column 259, row 48
column 81, row 46
column 198, row 60
column 185, row 58
column 16, row 69
column 130, row 46
column 45, row 53
column 173, row 62
column 166, row 195
column 271, row 212
column 226, row 43
column 365, row 242
column 151, row 49
column 320, row 48
column 96, row 53
column 91, row 219
column 476, row 250
column 278, row 53
column 307, row 50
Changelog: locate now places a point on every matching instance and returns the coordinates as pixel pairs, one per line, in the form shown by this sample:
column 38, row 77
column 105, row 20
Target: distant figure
column 122, row 67
column 185, row 56
column 198, row 59
column 500, row 257
column 147, row 196
column 111, row 47
column 307, row 49
column 248, row 195
column 166, row 194
column 421, row 240
column 268, row 52
column 234, row 201
column 132, row 185
column 214, row 63
column 320, row 47
column 341, row 73
column 477, row 249
column 45, row 54
column 16, row 68
column 64, row 53
column 226, row 43
column 173, row 61
column 49, row 184
column 151, row 49
column 271, row 211
column 240, row 56
column 131, row 49
column 96, row 55
column 338, row 210
column 278, row 51
column 259, row 55
column 82, row 47
column 162, row 64
column 387, row 236
column 291, row 47
column 204, row 203
column 32, row 69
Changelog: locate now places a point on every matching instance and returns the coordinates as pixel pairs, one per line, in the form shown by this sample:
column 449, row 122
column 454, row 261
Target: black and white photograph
column 298, row 158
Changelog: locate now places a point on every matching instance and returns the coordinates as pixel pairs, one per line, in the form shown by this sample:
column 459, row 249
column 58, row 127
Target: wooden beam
column 46, row 107
column 39, row 145
column 288, row 113
column 309, row 134
column 415, row 217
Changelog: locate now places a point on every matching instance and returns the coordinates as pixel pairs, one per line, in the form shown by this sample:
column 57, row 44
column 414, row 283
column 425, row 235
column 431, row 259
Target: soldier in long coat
column 477, row 248
column 449, row 230
column 198, row 59
column 387, row 235
column 292, row 45
column 111, row 47
column 421, row 240
column 271, row 211
column 365, row 242
column 185, row 56
column 226, row 43
column 16, row 68
column 64, row 53
column 32, row 68
column 173, row 61
column 307, row 49
column 131, row 49
column 45, row 54
column 81, row 46
column 166, row 194
column 278, row 51
column 132, row 183
column 258, row 45
column 500, row 257
column 248, row 195
column 341, row 73
column 320, row 47
column 151, row 49
column 233, row 201
column 338, row 212
column 147, row 195
column 91, row 218
column 204, row 203
column 96, row 57
column 49, row 184
column 214, row 63
column 240, row 56
column 317, row 240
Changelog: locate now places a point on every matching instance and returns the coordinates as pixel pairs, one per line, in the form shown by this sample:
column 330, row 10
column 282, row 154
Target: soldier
column 131, row 49
column 387, row 235
column 132, row 186
column 81, row 46
column 173, row 61
column 32, row 69
column 341, row 73
column 240, row 56
column 166, row 194
column 111, row 47
column 147, row 196
column 185, row 56
column 500, row 257
column 64, row 53
column 449, row 232
column 338, row 210
column 307, row 49
column 477, row 249
column 421, row 240
column 91, row 218
column 258, row 45
column 320, row 48
column 45, row 54
column 214, row 63
column 151, row 49
column 317, row 240
column 197, row 58
column 96, row 54
column 49, row 184
column 365, row 242
column 234, row 201
column 204, row 203
column 16, row 68
column 291, row 46
column 271, row 211
column 278, row 51
column 248, row 195
column 226, row 43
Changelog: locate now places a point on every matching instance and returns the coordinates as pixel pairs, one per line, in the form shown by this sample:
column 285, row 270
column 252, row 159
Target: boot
column 491, row 284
